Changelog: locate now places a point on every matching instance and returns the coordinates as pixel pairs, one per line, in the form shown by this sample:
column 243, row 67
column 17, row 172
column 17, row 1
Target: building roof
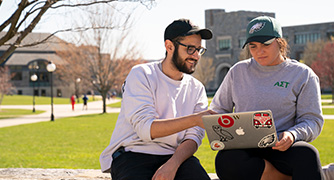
column 52, row 44
column 24, row 58
column 43, row 51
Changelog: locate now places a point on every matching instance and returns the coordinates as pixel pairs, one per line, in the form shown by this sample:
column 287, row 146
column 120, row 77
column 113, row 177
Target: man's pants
column 138, row 166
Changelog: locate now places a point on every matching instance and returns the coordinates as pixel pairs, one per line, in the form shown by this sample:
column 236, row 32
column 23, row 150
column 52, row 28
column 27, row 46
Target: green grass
column 74, row 142
column 39, row 100
column 328, row 111
column 326, row 96
column 77, row 142
column 12, row 113
column 115, row 105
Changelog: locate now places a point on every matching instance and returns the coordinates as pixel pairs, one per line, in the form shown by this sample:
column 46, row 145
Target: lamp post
column 50, row 68
column 33, row 78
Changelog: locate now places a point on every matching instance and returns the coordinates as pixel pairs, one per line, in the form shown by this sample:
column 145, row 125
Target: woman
column 270, row 80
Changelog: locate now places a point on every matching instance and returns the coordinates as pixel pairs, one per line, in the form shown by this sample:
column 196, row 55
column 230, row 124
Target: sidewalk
column 59, row 111
column 65, row 110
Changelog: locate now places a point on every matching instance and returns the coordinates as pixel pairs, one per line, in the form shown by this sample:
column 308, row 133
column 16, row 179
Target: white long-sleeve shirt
column 149, row 95
column 290, row 90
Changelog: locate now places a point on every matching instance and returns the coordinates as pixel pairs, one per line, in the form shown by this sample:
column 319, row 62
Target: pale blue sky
column 150, row 24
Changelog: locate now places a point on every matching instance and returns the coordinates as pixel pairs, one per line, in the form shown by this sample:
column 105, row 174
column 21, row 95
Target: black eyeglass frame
column 192, row 49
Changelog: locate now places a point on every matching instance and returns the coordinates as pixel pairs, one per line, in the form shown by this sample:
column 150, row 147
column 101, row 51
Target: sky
column 150, row 23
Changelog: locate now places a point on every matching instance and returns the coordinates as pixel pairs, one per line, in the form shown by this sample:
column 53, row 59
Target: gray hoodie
column 290, row 90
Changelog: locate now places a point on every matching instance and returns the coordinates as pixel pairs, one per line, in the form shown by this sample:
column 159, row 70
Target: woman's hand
column 286, row 139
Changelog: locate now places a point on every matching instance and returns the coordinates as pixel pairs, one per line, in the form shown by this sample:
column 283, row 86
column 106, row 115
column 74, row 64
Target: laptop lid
column 252, row 129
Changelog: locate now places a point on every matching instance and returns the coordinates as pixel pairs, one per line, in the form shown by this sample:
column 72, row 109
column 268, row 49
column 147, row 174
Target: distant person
column 84, row 99
column 291, row 90
column 114, row 94
column 160, row 126
column 73, row 101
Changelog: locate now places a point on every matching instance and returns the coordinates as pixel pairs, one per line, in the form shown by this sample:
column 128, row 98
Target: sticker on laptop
column 225, row 121
column 267, row 141
column 217, row 145
column 262, row 120
column 223, row 134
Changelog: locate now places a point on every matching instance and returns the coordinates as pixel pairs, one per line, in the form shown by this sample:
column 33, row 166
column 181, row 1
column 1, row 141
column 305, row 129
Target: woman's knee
column 304, row 151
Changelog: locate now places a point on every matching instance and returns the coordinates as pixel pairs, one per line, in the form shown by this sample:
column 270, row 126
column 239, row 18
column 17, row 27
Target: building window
column 16, row 73
column 307, row 37
column 19, row 92
column 59, row 93
column 330, row 36
column 16, row 76
column 43, row 92
column 224, row 43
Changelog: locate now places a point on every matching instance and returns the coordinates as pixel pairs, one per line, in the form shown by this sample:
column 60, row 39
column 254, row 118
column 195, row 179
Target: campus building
column 27, row 61
column 229, row 29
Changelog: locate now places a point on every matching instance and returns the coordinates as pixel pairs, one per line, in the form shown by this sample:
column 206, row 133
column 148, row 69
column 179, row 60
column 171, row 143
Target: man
column 159, row 127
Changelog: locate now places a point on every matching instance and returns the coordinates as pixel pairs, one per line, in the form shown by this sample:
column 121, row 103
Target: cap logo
column 256, row 27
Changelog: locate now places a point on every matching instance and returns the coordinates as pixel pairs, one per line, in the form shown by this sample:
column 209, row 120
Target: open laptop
column 252, row 129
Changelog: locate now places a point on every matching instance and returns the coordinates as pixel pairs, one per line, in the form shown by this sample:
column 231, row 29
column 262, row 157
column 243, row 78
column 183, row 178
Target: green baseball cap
column 263, row 29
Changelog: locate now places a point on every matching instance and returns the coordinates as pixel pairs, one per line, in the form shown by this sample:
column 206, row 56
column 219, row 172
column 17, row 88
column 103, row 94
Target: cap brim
column 204, row 33
column 260, row 39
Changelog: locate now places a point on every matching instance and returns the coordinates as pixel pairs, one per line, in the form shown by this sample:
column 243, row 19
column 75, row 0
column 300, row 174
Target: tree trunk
column 104, row 95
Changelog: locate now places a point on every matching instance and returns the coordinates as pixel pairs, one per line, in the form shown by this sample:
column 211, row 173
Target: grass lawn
column 12, row 113
column 115, row 105
column 39, row 100
column 326, row 96
column 77, row 142
column 328, row 111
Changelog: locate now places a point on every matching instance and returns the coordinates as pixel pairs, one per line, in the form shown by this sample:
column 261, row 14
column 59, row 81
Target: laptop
column 252, row 129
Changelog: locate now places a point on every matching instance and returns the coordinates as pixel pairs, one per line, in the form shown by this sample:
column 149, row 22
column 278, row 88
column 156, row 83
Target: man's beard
column 181, row 64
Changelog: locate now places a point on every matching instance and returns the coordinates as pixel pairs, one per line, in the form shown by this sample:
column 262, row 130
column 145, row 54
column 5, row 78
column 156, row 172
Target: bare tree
column 323, row 67
column 204, row 70
column 105, row 56
column 30, row 12
column 311, row 51
column 5, row 84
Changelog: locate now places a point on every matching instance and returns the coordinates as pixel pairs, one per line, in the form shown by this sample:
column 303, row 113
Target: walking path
column 59, row 111
column 64, row 110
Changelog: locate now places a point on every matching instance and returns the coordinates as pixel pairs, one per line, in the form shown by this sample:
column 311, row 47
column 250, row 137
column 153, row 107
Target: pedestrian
column 291, row 90
column 159, row 127
column 84, row 99
column 73, row 101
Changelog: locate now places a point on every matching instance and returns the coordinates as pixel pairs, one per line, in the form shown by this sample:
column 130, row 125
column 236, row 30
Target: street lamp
column 50, row 68
column 33, row 78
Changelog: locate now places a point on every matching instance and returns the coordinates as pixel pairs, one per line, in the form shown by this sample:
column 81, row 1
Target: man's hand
column 286, row 139
column 166, row 172
column 200, row 114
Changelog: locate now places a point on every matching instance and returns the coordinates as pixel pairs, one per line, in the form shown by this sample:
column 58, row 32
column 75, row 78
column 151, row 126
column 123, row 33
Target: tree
column 5, row 84
column 311, row 51
column 204, row 70
column 323, row 67
column 100, row 61
column 30, row 12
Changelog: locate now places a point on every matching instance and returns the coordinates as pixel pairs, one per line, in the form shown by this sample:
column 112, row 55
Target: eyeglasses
column 191, row 49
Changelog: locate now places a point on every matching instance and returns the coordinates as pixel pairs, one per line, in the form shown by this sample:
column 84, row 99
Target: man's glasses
column 191, row 49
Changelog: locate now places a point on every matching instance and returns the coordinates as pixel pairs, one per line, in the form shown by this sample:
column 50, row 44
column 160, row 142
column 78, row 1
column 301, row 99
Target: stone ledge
column 58, row 174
